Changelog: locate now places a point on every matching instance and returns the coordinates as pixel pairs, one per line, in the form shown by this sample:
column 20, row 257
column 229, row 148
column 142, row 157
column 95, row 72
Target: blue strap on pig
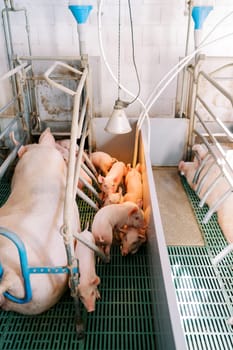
column 26, row 270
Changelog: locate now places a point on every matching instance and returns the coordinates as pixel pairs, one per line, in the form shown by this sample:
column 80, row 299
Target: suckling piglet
column 110, row 183
column 115, row 216
column 88, row 280
column 102, row 161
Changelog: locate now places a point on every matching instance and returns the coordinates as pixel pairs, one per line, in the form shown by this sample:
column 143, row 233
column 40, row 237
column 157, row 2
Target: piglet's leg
column 107, row 249
column 80, row 328
column 9, row 280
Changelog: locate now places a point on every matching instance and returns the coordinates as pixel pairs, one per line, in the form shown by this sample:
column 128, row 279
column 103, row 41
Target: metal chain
column 119, row 47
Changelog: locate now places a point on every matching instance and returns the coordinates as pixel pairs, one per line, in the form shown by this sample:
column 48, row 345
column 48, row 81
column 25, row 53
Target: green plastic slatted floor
column 204, row 292
column 123, row 318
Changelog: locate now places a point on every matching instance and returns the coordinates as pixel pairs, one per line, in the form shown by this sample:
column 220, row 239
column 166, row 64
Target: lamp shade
column 118, row 122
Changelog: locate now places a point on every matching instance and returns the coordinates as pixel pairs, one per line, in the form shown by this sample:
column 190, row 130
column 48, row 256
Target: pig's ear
column 132, row 211
column 100, row 179
column 128, row 167
column 96, row 281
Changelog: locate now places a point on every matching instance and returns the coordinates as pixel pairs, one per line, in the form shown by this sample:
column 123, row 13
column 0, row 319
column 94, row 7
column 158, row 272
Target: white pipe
column 184, row 80
column 82, row 38
column 88, row 200
column 13, row 71
column 215, row 26
column 191, row 55
column 222, row 254
column 197, row 37
column 89, row 173
column 90, row 245
column 181, row 65
column 60, row 86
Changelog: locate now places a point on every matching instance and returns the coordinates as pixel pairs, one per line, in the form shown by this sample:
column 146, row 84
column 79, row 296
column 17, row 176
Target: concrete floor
column 179, row 223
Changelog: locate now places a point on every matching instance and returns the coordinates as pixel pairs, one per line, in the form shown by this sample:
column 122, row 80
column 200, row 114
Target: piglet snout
column 91, row 309
column 124, row 250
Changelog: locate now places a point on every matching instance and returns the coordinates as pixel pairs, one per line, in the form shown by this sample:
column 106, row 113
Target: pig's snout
column 89, row 305
column 91, row 309
column 124, row 251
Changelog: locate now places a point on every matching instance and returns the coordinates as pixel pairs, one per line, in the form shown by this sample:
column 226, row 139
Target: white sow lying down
column 224, row 210
column 34, row 211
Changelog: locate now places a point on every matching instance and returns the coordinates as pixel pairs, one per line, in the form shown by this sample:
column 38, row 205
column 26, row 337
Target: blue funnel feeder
column 199, row 14
column 80, row 12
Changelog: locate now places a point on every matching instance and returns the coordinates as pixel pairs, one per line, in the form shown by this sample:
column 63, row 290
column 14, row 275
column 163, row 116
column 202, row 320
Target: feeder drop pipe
column 197, row 37
column 82, row 38
column 184, row 81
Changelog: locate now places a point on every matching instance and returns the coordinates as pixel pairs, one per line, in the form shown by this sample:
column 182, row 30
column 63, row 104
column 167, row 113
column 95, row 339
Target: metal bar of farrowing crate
column 218, row 121
column 48, row 58
column 73, row 167
column 222, row 163
column 216, row 85
column 13, row 71
column 11, row 157
column 12, row 123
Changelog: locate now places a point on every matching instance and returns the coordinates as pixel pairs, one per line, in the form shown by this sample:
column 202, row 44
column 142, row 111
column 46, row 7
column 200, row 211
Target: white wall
column 159, row 30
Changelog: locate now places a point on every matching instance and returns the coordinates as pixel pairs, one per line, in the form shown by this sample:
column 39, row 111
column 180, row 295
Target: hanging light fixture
column 118, row 122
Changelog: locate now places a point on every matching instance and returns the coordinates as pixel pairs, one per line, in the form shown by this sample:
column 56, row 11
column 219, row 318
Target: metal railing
column 15, row 121
column 216, row 154
column 79, row 130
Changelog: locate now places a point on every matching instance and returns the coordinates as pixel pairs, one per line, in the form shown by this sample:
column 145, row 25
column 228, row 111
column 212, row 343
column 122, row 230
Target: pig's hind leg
column 9, row 281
